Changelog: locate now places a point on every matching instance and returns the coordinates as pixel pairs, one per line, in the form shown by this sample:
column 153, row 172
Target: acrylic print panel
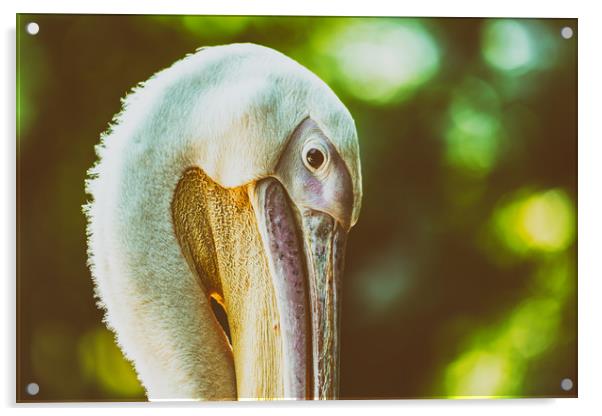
column 354, row 208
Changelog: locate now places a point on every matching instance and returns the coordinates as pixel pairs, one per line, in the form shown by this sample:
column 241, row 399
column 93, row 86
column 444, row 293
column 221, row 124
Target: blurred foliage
column 461, row 273
column 497, row 356
column 365, row 59
column 102, row 363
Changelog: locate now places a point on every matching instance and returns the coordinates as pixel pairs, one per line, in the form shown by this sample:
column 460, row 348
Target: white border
column 590, row 195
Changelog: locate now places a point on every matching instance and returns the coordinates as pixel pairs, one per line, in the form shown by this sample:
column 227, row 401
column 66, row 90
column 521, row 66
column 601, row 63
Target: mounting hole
column 566, row 384
column 566, row 32
column 32, row 28
column 32, row 389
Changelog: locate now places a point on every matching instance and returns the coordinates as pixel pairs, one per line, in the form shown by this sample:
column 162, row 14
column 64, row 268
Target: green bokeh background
column 461, row 272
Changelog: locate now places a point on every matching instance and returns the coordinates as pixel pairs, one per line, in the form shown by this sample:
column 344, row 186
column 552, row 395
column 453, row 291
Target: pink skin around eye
column 327, row 189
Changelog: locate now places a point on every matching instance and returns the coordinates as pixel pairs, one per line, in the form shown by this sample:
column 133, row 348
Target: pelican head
column 233, row 175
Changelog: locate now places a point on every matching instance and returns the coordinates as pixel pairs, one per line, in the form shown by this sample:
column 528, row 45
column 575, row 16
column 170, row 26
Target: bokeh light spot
column 495, row 361
column 384, row 289
column 478, row 373
column 103, row 363
column 472, row 144
column 540, row 222
column 533, row 326
column 382, row 61
column 547, row 221
column 380, row 287
column 472, row 136
column 554, row 277
column 507, row 45
column 516, row 47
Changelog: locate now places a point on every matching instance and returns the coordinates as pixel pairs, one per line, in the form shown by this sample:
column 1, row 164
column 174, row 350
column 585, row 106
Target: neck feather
column 152, row 299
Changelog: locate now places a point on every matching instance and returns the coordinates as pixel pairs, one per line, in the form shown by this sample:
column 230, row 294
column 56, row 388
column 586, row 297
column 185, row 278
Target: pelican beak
column 305, row 250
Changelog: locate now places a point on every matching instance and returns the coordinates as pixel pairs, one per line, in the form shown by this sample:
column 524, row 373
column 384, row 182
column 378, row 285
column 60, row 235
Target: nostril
column 221, row 316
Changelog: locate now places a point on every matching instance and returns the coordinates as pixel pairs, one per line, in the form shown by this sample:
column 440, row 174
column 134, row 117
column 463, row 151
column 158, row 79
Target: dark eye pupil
column 315, row 158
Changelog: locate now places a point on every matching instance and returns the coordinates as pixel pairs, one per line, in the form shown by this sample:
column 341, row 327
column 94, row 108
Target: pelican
column 233, row 175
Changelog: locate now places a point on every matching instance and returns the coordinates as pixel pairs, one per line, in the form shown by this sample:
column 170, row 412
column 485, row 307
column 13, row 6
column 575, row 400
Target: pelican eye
column 315, row 158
